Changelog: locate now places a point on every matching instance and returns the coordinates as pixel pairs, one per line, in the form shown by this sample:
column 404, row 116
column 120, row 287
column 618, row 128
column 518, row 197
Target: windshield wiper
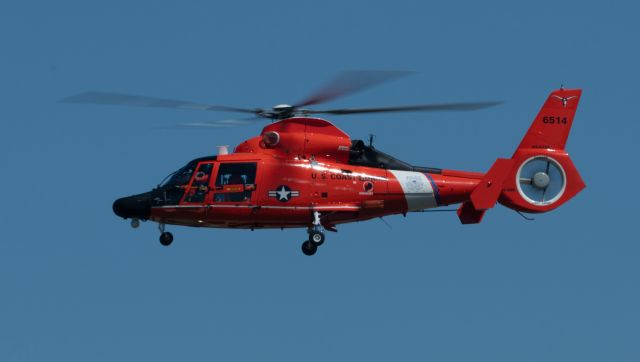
column 165, row 179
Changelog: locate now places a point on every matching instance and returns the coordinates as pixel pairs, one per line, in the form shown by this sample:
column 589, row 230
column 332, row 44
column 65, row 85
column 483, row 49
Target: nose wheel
column 166, row 238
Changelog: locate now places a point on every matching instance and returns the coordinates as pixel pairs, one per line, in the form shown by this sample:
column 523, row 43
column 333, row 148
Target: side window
column 200, row 183
column 235, row 182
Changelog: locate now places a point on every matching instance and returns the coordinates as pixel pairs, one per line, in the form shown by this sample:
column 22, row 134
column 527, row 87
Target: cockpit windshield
column 183, row 175
column 180, row 177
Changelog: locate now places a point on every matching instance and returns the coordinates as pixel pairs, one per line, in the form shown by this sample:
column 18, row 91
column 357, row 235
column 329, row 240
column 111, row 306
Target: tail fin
column 539, row 176
column 551, row 127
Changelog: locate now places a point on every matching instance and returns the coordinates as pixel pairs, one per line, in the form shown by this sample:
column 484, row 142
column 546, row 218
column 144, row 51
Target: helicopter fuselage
column 285, row 193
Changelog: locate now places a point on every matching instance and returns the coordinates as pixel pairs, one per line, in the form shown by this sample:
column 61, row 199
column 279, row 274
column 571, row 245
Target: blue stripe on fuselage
column 436, row 193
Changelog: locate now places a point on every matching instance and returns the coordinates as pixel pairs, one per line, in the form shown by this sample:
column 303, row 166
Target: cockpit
column 232, row 182
column 204, row 180
column 173, row 188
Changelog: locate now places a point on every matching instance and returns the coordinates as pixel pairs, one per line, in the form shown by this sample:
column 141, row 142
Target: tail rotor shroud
column 541, row 180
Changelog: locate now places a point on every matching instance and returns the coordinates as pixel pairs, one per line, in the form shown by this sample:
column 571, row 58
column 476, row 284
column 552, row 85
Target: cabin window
column 235, row 182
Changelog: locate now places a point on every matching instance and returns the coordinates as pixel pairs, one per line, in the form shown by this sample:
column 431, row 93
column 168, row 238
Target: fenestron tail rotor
column 541, row 180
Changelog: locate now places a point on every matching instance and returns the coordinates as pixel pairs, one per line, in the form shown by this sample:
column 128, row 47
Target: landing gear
column 166, row 238
column 309, row 248
column 316, row 236
column 135, row 223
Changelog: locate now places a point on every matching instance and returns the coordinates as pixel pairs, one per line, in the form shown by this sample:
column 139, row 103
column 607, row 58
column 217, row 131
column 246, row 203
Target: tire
column 166, row 238
column 309, row 248
column 316, row 238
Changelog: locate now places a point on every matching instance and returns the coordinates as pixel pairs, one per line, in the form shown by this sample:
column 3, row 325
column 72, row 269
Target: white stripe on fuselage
column 417, row 189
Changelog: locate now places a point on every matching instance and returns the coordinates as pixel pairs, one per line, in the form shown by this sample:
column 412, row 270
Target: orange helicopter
column 304, row 172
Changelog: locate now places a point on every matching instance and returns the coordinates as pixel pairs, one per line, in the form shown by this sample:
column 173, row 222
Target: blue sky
column 79, row 284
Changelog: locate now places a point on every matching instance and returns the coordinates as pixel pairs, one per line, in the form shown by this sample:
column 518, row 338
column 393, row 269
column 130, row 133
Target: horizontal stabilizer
column 486, row 194
column 468, row 214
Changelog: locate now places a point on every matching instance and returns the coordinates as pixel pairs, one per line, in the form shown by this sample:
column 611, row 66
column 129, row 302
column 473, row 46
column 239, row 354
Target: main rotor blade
column 120, row 99
column 216, row 124
column 471, row 106
column 349, row 82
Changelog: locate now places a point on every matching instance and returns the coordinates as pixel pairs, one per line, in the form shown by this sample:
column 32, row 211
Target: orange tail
column 539, row 176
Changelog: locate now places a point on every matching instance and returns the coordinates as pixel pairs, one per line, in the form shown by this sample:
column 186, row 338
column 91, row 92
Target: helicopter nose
column 137, row 206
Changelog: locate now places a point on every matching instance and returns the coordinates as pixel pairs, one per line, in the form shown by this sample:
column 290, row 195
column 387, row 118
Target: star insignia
column 283, row 193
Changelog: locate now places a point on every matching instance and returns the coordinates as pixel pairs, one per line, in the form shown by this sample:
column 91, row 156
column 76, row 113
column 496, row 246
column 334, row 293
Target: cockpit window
column 173, row 187
column 200, row 185
column 182, row 176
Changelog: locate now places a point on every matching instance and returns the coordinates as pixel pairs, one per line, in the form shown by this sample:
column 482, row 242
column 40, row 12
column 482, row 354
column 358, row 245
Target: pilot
column 201, row 177
column 241, row 195
column 236, row 179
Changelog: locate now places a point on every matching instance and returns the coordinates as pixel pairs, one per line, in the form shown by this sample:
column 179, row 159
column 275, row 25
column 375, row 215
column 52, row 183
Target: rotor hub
column 541, row 180
column 281, row 111
column 282, row 107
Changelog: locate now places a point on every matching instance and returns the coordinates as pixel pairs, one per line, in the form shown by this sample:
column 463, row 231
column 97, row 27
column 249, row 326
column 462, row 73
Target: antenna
column 524, row 216
column 386, row 223
column 371, row 138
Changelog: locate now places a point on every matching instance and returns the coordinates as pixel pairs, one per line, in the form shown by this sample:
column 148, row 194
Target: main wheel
column 166, row 238
column 316, row 238
column 309, row 248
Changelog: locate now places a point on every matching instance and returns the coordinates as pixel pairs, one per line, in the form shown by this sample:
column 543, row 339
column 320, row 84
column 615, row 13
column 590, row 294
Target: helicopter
column 302, row 171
